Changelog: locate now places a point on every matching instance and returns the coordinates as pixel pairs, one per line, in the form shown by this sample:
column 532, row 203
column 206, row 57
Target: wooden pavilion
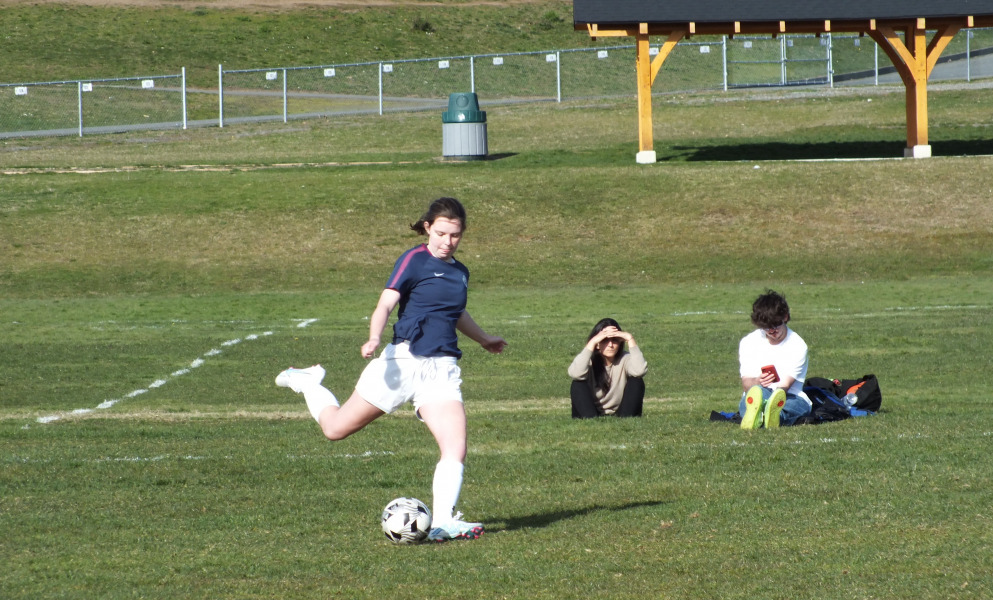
column 900, row 27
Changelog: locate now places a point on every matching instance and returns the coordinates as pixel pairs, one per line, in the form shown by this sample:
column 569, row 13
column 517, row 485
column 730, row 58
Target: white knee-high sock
column 318, row 398
column 446, row 488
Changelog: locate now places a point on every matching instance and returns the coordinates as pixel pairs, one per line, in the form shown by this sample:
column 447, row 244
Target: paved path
column 956, row 70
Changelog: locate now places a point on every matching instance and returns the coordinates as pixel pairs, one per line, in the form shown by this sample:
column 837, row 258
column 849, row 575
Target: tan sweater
column 631, row 364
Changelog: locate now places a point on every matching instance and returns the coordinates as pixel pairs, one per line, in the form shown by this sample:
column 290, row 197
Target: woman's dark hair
column 770, row 310
column 598, row 370
column 449, row 208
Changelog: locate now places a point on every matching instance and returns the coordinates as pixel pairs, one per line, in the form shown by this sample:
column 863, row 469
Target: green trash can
column 463, row 128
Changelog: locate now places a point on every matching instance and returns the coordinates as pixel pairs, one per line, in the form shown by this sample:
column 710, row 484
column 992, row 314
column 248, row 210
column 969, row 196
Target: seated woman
column 607, row 380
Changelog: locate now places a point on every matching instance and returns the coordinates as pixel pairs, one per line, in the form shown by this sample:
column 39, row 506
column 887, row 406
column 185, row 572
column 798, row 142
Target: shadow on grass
column 622, row 155
column 545, row 519
column 819, row 151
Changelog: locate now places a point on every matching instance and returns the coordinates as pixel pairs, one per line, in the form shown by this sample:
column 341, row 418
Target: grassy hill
column 55, row 41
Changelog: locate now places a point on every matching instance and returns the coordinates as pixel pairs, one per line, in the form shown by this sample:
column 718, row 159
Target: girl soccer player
column 419, row 364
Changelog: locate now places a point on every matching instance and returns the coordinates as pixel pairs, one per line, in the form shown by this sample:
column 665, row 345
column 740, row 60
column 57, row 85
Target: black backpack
column 866, row 390
column 826, row 405
column 827, row 398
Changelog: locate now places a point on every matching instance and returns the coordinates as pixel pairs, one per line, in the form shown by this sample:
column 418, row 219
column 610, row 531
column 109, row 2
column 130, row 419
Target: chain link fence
column 246, row 95
column 93, row 106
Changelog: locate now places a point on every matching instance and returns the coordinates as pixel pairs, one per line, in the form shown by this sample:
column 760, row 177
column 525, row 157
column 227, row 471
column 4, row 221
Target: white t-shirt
column 788, row 356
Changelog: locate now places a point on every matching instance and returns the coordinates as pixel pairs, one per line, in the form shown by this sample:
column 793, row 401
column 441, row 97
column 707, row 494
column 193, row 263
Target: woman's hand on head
column 608, row 332
column 627, row 337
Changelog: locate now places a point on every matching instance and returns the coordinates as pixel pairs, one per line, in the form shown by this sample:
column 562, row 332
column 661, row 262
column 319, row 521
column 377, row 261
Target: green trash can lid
column 463, row 107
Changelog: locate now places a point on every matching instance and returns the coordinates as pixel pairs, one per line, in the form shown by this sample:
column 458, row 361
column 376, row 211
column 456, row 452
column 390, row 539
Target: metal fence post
column 220, row 95
column 724, row 59
column 380, row 89
column 875, row 63
column 830, row 60
column 558, row 75
column 285, row 99
column 782, row 60
column 968, row 56
column 79, row 106
column 184, row 97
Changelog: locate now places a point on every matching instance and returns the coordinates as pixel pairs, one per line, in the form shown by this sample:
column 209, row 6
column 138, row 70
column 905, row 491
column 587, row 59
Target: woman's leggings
column 585, row 405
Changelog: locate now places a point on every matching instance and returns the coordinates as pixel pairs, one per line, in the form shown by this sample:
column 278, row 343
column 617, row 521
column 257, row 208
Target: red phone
column 771, row 369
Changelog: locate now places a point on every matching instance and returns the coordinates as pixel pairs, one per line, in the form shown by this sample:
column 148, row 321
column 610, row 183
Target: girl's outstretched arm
column 491, row 343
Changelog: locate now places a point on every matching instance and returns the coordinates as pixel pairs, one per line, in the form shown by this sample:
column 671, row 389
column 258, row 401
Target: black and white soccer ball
column 406, row 521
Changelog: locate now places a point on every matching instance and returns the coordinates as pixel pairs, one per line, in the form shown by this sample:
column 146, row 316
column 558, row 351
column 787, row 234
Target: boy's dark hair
column 770, row 310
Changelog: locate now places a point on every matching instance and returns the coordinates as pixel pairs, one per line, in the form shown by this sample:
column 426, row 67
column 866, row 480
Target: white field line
column 194, row 364
column 25, row 460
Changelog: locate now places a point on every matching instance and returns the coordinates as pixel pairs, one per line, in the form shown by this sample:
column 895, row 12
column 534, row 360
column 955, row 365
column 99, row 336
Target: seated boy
column 773, row 367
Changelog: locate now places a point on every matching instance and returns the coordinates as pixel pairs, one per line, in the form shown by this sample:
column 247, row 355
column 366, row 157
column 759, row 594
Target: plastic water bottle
column 850, row 399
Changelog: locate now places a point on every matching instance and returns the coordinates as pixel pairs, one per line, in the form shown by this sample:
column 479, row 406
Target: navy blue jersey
column 432, row 298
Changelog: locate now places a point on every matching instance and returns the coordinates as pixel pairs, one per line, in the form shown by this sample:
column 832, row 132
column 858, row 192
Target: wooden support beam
column 665, row 51
column 938, row 44
column 914, row 58
column 917, row 134
column 643, row 67
column 647, row 70
column 595, row 31
column 893, row 46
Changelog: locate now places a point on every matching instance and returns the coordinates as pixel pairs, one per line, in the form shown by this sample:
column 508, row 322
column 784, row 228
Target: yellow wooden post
column 917, row 138
column 914, row 59
column 647, row 70
column 646, row 142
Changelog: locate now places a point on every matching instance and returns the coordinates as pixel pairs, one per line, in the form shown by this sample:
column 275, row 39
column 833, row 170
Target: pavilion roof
column 759, row 15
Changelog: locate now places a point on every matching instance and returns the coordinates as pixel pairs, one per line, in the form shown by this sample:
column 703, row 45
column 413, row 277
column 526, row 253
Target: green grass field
column 153, row 284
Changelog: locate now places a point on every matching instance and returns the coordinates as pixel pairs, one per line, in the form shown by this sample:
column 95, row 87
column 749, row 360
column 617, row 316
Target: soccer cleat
column 297, row 379
column 455, row 530
column 770, row 416
column 752, row 419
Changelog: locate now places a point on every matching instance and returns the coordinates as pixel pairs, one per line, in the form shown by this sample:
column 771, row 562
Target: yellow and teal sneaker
column 752, row 419
column 770, row 416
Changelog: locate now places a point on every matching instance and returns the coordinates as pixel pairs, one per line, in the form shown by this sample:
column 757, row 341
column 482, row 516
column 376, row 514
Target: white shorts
column 396, row 377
